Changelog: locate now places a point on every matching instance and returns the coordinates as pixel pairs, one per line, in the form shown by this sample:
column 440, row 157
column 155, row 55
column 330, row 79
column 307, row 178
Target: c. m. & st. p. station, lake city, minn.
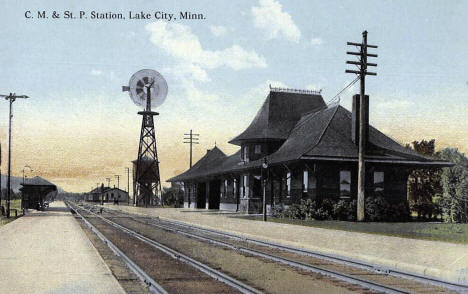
column 136, row 15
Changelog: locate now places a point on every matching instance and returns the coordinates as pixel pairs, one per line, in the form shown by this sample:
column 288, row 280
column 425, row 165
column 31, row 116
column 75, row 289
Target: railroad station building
column 106, row 194
column 113, row 194
column 302, row 149
column 36, row 191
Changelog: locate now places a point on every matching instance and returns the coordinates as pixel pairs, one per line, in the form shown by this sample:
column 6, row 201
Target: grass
column 447, row 232
column 14, row 204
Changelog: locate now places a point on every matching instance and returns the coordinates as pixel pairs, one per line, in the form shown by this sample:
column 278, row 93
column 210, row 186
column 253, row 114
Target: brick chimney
column 355, row 119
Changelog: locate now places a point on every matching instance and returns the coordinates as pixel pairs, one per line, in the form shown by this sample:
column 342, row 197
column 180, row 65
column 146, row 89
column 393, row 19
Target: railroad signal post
column 362, row 65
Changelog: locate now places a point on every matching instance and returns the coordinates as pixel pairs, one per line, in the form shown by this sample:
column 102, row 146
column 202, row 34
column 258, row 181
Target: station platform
column 48, row 252
column 441, row 260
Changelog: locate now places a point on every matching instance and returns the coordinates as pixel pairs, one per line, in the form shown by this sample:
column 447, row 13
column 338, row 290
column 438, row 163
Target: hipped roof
column 327, row 134
column 37, row 181
column 278, row 115
column 320, row 135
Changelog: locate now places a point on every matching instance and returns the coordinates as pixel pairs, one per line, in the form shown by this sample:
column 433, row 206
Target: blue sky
column 218, row 71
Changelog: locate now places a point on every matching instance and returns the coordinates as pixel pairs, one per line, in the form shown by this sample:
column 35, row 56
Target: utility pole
column 128, row 185
column 12, row 97
column 118, row 181
column 0, row 175
column 362, row 65
column 108, row 182
column 191, row 139
column 264, row 177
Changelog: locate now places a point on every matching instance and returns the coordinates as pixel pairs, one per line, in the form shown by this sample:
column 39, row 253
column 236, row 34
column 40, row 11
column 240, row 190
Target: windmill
column 147, row 88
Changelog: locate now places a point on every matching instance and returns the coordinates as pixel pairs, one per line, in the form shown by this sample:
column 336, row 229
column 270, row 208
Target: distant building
column 112, row 194
column 36, row 191
column 106, row 194
column 310, row 151
column 95, row 194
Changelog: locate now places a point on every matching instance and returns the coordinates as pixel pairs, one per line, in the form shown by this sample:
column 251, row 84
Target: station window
column 379, row 181
column 288, row 184
column 306, row 181
column 345, row 184
column 258, row 149
column 246, row 153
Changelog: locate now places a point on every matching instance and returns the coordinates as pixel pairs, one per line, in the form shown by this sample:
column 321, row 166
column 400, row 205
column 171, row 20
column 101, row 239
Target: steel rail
column 332, row 258
column 329, row 257
column 331, row 273
column 141, row 274
column 184, row 258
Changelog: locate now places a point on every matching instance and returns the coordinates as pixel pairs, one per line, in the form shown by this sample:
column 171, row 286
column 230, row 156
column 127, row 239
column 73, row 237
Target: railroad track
column 184, row 228
column 389, row 281
column 155, row 287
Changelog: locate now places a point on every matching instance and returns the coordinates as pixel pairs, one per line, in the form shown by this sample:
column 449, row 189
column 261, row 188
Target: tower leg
column 147, row 178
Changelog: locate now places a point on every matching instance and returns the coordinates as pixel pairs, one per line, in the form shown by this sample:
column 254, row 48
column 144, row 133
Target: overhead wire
column 334, row 99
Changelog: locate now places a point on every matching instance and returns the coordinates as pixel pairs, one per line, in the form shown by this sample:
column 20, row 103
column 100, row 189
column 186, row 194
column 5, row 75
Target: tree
column 454, row 180
column 424, row 184
column 172, row 197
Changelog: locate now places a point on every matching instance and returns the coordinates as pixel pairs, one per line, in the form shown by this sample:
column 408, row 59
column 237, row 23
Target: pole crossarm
column 362, row 45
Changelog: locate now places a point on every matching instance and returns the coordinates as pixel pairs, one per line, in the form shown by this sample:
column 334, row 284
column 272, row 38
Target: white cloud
column 316, row 41
column 395, row 104
column 274, row 22
column 189, row 71
column 218, row 31
column 96, row 72
column 179, row 41
column 197, row 95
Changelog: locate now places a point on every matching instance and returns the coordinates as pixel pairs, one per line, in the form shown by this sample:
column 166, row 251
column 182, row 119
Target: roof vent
column 296, row 91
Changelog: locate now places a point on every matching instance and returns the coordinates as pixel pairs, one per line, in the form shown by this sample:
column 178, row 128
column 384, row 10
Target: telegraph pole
column 191, row 139
column 128, row 185
column 362, row 65
column 0, row 175
column 118, row 181
column 108, row 182
column 12, row 97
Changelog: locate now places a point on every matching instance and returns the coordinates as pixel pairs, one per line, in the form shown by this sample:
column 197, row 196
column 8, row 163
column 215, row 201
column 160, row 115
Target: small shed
column 35, row 191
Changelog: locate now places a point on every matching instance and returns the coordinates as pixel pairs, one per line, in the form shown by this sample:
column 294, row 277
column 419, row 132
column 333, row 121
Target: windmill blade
column 151, row 79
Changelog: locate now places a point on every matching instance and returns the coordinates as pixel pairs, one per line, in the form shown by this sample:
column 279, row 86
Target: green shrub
column 378, row 209
column 277, row 211
column 303, row 210
column 345, row 210
column 327, row 205
column 309, row 208
column 322, row 214
column 294, row 211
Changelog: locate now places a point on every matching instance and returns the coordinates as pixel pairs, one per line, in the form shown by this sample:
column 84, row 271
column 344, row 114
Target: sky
column 78, row 127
